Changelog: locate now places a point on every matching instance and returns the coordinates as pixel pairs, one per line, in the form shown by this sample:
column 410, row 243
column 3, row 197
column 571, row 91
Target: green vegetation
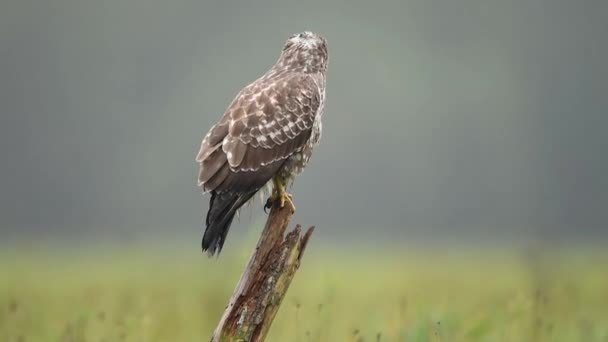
column 149, row 293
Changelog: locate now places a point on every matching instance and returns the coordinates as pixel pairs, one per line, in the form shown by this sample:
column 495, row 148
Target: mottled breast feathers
column 267, row 122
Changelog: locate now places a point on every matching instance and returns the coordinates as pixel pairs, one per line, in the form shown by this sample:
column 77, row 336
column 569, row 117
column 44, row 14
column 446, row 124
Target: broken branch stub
column 265, row 280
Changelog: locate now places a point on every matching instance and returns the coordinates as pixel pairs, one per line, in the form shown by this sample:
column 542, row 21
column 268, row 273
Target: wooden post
column 265, row 280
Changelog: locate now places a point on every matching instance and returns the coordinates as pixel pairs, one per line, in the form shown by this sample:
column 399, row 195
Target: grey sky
column 443, row 118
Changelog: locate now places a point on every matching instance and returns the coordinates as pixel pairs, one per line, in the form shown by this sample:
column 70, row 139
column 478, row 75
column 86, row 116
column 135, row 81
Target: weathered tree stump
column 265, row 280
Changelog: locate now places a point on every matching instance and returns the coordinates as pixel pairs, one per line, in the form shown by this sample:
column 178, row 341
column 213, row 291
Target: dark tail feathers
column 222, row 208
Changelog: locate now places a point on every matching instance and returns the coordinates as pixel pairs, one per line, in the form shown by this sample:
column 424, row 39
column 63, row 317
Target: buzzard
column 266, row 135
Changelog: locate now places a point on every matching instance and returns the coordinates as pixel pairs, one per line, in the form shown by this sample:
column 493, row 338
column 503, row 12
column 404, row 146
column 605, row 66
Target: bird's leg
column 279, row 193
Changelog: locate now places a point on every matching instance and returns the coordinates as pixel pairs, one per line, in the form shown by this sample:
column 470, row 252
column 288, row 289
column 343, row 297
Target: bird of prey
column 266, row 135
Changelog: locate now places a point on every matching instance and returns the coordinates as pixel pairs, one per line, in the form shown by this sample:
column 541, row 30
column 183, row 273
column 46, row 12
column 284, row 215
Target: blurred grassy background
column 153, row 292
column 478, row 121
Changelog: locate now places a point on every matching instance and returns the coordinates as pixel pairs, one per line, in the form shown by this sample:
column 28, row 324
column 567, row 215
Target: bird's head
column 306, row 52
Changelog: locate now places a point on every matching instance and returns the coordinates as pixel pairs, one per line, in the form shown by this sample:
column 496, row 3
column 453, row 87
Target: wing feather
column 211, row 165
column 213, row 140
column 266, row 123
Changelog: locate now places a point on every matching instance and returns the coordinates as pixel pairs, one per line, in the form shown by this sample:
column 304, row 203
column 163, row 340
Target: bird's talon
column 282, row 201
column 286, row 197
column 268, row 204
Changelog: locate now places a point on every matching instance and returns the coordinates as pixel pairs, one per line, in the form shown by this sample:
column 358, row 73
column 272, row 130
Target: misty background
column 444, row 119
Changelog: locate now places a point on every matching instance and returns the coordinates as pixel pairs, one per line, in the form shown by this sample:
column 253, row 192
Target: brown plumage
column 268, row 131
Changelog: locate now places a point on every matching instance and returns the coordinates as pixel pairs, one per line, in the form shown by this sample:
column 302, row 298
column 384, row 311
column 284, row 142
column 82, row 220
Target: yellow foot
column 279, row 193
column 286, row 197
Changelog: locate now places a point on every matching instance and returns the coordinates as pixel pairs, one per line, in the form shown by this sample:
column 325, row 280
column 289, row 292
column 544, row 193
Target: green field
column 150, row 293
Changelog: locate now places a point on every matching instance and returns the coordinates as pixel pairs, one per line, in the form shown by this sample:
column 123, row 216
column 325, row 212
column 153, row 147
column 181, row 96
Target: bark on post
column 265, row 280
